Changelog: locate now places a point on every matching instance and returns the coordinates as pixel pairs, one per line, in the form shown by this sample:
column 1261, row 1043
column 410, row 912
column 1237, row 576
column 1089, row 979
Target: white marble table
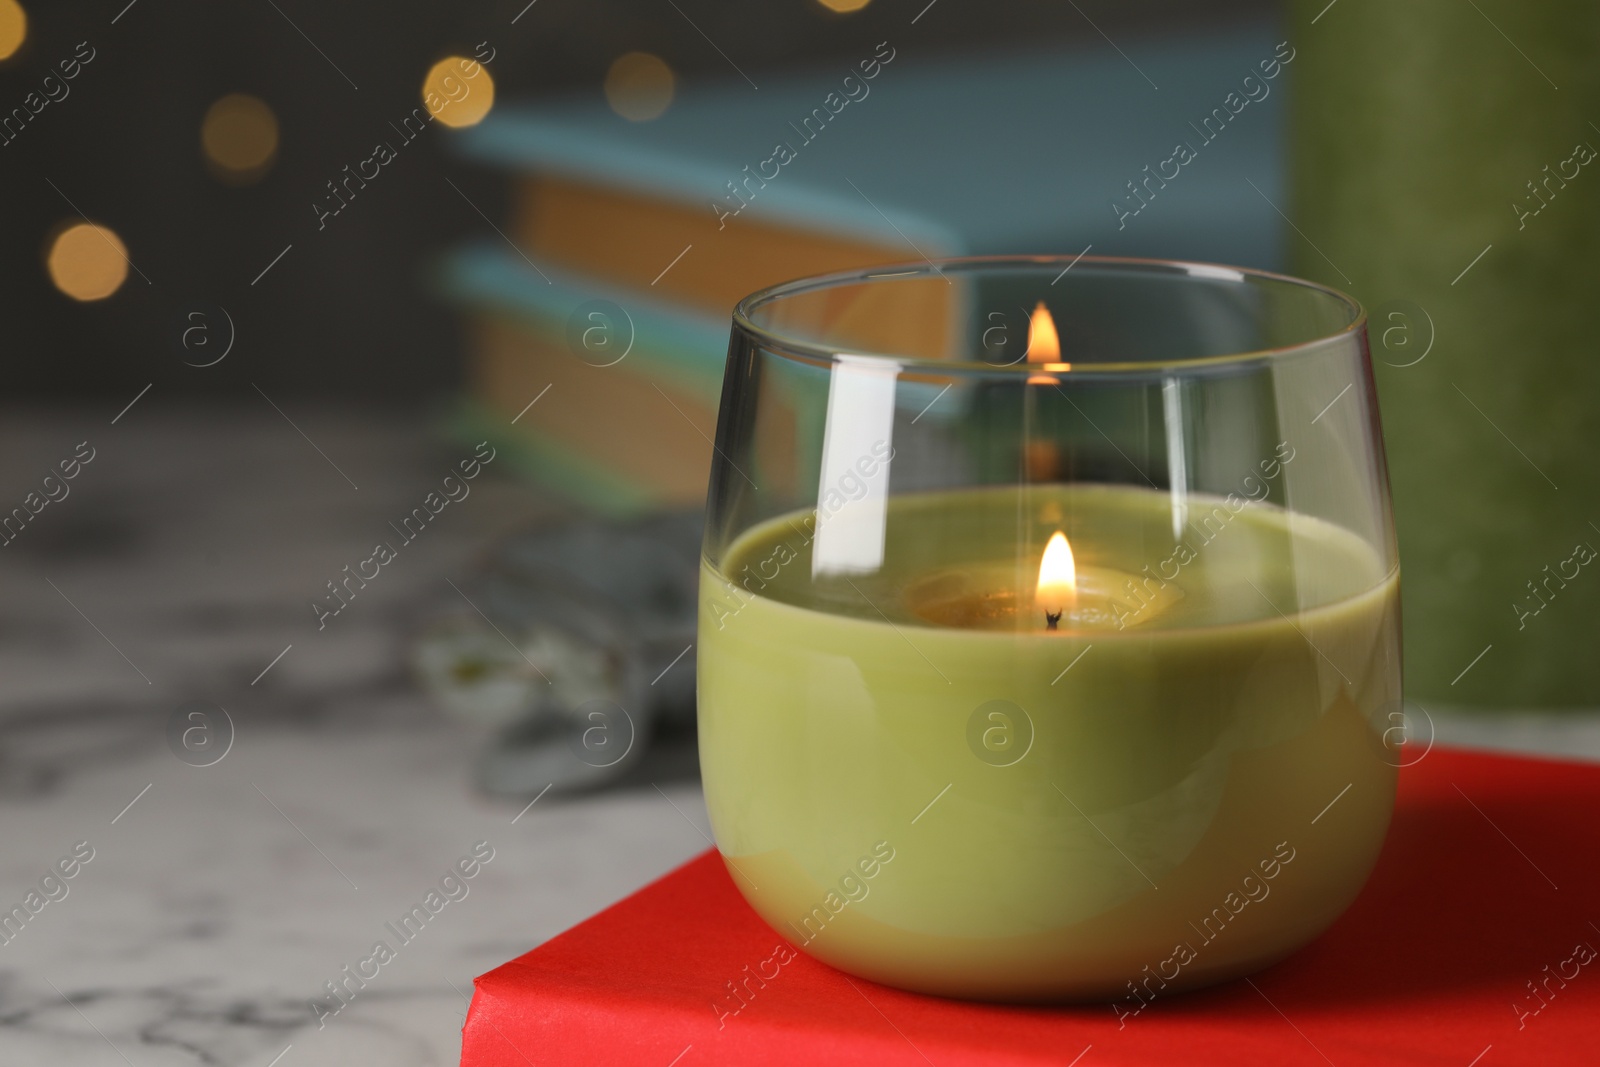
column 216, row 907
column 218, row 904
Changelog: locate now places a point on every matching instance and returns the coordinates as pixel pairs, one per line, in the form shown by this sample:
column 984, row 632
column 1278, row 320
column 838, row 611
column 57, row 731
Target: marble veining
column 221, row 900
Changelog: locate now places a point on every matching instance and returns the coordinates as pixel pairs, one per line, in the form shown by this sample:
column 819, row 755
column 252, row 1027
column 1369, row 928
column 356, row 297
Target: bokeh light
column 239, row 136
column 88, row 261
column 458, row 91
column 844, row 7
column 13, row 27
column 639, row 86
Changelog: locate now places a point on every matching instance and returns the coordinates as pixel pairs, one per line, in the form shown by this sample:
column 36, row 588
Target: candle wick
column 1051, row 620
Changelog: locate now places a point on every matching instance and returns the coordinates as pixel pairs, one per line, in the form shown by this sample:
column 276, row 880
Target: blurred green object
column 571, row 657
column 1443, row 172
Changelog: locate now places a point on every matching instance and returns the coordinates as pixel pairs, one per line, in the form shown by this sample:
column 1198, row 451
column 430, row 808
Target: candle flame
column 1044, row 344
column 1058, row 578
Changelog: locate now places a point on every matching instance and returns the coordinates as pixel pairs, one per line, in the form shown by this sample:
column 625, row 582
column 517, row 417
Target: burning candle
column 1036, row 738
column 1151, row 727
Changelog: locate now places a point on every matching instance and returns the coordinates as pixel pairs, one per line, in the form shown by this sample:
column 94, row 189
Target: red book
column 1472, row 946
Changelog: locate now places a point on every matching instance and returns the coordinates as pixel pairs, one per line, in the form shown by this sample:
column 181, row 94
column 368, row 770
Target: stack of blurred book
column 607, row 296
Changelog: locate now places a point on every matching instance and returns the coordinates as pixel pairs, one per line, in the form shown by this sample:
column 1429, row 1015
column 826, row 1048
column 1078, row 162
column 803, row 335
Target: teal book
column 569, row 375
column 1166, row 148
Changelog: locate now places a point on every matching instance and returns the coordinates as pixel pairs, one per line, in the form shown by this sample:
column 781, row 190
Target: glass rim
column 816, row 352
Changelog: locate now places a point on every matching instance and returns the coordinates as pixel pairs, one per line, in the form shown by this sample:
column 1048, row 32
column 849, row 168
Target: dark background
column 348, row 314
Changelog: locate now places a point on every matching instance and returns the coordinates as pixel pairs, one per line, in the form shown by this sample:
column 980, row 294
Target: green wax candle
column 1445, row 173
column 915, row 779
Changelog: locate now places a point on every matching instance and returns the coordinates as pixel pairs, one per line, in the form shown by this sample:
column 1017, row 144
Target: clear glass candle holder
column 1049, row 623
